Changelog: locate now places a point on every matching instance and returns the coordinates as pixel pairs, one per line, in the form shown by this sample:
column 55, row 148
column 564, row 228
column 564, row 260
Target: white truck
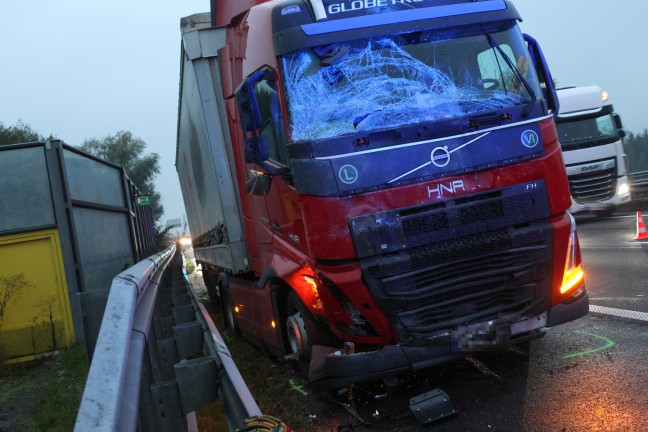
column 591, row 134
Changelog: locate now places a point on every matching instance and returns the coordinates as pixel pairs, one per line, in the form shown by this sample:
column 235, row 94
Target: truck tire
column 228, row 308
column 303, row 332
column 210, row 284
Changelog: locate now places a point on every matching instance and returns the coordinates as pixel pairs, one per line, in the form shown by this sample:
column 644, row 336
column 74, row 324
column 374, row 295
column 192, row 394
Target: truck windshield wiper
column 361, row 118
column 493, row 43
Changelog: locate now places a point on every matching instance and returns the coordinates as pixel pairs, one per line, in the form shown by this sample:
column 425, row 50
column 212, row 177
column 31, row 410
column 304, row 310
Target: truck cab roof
column 581, row 100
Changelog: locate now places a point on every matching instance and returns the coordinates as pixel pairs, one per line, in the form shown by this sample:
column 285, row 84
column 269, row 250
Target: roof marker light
column 290, row 10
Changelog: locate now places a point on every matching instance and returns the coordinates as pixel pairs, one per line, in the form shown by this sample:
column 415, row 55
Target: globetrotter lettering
column 365, row 4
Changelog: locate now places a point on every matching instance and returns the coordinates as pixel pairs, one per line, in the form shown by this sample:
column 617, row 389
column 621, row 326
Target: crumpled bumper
column 336, row 369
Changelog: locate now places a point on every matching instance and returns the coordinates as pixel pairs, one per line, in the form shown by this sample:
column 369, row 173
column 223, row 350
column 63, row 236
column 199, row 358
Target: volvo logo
column 529, row 138
column 440, row 156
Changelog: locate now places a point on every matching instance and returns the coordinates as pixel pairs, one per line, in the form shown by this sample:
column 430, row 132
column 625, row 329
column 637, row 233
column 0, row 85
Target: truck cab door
column 258, row 104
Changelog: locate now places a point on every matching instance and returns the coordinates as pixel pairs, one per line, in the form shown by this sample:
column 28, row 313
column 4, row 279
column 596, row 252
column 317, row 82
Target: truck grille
column 594, row 186
column 462, row 261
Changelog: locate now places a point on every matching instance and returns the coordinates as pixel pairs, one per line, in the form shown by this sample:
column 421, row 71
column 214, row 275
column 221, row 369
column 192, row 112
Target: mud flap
column 317, row 369
column 431, row 406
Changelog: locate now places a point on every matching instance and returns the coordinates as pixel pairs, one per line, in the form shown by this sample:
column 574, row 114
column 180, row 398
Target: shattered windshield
column 404, row 79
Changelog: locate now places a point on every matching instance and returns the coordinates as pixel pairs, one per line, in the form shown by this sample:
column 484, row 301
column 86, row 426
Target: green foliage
column 10, row 289
column 636, row 149
column 20, row 133
column 45, row 394
column 163, row 237
column 60, row 395
column 190, row 266
column 126, row 150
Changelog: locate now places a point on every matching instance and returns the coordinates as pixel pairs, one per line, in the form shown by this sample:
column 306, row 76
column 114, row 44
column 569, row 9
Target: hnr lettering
column 441, row 188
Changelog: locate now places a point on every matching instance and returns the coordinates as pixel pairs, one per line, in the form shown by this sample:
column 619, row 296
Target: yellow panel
column 37, row 316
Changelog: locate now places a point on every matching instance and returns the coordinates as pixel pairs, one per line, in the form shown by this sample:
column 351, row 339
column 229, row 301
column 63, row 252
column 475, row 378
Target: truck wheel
column 303, row 332
column 228, row 309
column 210, row 284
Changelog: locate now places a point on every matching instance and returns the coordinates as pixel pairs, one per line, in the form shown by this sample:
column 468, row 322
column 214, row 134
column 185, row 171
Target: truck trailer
column 375, row 186
column 591, row 135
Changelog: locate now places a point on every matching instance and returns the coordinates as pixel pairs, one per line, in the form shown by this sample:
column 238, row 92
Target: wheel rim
column 297, row 335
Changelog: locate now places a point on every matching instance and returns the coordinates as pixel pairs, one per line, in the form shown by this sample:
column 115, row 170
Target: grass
column 276, row 387
column 43, row 395
column 189, row 265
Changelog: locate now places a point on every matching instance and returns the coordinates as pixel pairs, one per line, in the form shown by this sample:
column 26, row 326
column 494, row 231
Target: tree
column 636, row 149
column 20, row 133
column 124, row 149
column 163, row 237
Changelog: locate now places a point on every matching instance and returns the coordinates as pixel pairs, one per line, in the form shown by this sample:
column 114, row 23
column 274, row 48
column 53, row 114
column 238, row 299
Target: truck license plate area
column 480, row 337
column 597, row 207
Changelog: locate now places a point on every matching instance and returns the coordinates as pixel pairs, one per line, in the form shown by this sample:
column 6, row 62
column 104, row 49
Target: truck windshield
column 404, row 79
column 575, row 132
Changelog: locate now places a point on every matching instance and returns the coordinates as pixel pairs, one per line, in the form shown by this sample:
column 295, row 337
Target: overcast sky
column 81, row 69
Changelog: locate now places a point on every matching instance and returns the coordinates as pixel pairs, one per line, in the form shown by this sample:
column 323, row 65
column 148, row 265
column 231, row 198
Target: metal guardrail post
column 159, row 357
column 116, row 364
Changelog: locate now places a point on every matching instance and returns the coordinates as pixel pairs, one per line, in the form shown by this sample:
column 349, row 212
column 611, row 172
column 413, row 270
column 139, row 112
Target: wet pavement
column 587, row 375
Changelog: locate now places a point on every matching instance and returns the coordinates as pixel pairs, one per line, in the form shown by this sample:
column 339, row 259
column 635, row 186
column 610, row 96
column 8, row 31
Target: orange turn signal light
column 572, row 279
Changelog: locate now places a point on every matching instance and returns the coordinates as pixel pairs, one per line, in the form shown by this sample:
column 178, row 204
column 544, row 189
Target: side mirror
column 258, row 183
column 544, row 75
column 619, row 125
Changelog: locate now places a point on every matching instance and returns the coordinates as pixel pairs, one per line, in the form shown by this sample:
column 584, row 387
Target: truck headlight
column 623, row 189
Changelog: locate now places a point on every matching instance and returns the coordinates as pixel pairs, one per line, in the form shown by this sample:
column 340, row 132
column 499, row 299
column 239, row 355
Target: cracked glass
column 386, row 82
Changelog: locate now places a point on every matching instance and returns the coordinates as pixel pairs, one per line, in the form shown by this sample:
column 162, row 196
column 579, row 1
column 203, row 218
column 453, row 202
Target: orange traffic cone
column 641, row 228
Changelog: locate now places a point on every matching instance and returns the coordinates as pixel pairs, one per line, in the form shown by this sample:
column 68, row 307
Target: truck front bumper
column 339, row 369
column 600, row 206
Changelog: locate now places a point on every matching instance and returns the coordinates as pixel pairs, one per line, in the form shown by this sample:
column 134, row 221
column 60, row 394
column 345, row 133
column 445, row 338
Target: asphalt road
column 587, row 375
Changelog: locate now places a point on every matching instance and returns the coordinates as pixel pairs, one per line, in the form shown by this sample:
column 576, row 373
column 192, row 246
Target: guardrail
column 159, row 356
column 638, row 182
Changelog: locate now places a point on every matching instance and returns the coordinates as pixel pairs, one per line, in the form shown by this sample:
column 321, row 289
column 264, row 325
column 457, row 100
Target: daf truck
column 375, row 186
column 591, row 135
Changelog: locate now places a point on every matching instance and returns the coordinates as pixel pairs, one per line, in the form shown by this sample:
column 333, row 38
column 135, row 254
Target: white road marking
column 639, row 297
column 623, row 313
column 626, row 245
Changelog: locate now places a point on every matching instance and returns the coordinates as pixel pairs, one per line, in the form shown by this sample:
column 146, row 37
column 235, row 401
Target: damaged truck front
column 375, row 186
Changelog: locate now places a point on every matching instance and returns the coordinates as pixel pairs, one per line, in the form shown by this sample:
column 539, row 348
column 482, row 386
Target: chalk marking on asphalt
column 609, row 343
column 481, row 367
column 296, row 387
column 623, row 313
